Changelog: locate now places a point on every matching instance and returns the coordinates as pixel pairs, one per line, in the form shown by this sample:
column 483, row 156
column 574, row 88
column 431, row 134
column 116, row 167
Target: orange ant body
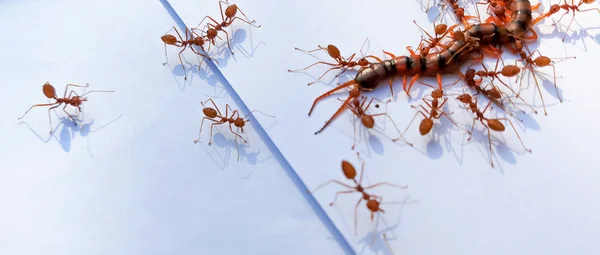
column 440, row 31
column 342, row 63
column 214, row 115
column 227, row 19
column 567, row 7
column 541, row 61
column 359, row 109
column 493, row 124
column 435, row 111
column 373, row 201
column 184, row 44
column 72, row 100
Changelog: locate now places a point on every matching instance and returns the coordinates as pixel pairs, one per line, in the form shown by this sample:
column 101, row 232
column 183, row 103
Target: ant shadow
column 376, row 239
column 502, row 150
column 236, row 41
column 223, row 148
column 69, row 130
column 204, row 73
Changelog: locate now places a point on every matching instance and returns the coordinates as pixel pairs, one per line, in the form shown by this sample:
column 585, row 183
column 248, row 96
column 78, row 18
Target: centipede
column 509, row 28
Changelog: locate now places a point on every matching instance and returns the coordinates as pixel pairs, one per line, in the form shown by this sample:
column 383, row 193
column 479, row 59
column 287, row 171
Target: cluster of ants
column 509, row 25
column 447, row 46
column 207, row 35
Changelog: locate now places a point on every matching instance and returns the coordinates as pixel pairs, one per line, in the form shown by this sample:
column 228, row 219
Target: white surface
column 539, row 203
column 133, row 182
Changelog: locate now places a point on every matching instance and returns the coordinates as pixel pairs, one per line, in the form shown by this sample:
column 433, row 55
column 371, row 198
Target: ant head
column 373, row 205
column 499, row 11
column 363, row 62
column 470, row 74
column 426, row 126
column 440, row 29
column 231, row 11
column 198, row 41
column 209, row 112
column 333, row 51
column 438, row 93
column 367, row 121
column 169, row 39
column 49, row 90
column 348, row 170
column 211, row 33
column 239, row 122
column 425, row 50
column 460, row 12
column 464, row 98
column 555, row 8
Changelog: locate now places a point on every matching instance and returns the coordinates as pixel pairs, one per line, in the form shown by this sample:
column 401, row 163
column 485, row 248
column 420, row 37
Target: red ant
column 440, row 30
column 359, row 109
column 75, row 101
column 436, row 111
column 567, row 7
column 188, row 42
column 494, row 94
column 214, row 115
column 459, row 12
column 342, row 62
column 227, row 18
column 541, row 61
column 493, row 124
column 373, row 201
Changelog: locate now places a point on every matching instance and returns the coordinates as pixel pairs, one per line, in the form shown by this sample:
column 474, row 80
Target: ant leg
column 68, row 114
column 202, row 125
column 251, row 23
column 215, row 105
column 253, row 111
column 238, row 135
column 386, row 183
column 74, row 85
column 211, row 131
column 472, row 128
column 329, row 182
column 410, row 123
column 341, row 192
column 513, row 126
column 36, row 105
column 539, row 90
column 490, row 142
column 181, row 61
column 320, row 62
column 228, row 44
column 355, row 219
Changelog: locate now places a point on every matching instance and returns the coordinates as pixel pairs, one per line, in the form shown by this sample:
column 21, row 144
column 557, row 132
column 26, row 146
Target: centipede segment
column 443, row 51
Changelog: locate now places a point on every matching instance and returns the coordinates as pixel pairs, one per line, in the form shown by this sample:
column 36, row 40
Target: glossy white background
column 133, row 181
column 539, row 203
